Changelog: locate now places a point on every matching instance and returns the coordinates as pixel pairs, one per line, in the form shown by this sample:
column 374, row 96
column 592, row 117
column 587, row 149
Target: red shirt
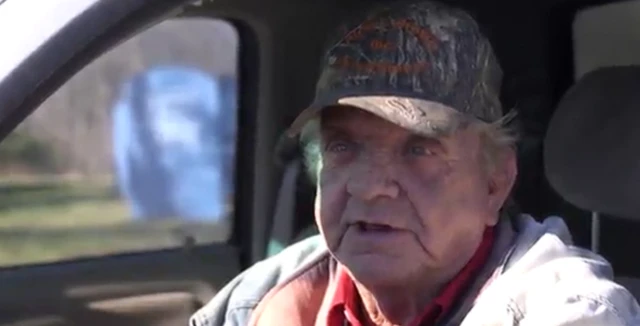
column 346, row 302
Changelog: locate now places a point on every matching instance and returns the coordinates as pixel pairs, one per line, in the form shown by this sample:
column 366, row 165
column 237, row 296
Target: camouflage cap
column 410, row 64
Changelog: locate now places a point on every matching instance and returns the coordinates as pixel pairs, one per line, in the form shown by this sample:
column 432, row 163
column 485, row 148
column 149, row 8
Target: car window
column 606, row 35
column 135, row 152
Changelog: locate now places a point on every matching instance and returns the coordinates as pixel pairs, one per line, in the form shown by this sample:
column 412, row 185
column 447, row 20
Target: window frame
column 74, row 46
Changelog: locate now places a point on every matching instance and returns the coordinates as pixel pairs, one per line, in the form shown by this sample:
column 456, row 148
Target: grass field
column 52, row 219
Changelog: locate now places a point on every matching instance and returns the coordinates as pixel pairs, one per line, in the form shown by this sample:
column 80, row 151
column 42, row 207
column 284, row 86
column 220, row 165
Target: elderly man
column 414, row 164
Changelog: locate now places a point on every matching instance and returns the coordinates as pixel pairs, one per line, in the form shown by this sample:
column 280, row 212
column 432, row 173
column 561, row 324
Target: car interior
column 598, row 111
column 569, row 74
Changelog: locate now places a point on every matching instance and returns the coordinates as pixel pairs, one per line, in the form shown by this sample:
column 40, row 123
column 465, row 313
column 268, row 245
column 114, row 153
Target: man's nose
column 370, row 181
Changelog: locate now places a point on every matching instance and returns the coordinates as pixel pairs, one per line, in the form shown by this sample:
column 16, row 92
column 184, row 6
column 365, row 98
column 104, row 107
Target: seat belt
column 285, row 211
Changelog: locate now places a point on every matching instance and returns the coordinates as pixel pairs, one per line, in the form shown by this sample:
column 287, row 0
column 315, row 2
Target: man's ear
column 501, row 181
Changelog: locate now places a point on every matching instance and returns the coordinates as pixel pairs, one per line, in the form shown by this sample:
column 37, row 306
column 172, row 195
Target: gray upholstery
column 592, row 147
column 630, row 283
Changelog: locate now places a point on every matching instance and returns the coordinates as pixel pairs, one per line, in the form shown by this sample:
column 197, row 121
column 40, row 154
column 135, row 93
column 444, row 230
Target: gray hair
column 496, row 137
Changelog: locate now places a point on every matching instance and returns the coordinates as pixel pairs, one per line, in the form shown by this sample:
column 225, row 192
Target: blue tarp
column 174, row 137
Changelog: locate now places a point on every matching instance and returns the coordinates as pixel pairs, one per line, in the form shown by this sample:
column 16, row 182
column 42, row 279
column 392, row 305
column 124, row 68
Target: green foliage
column 22, row 150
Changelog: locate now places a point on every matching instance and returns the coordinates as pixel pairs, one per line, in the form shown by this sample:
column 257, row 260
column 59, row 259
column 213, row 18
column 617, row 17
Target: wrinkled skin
column 429, row 198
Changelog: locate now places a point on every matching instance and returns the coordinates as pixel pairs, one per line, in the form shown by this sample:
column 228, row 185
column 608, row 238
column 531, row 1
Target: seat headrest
column 592, row 146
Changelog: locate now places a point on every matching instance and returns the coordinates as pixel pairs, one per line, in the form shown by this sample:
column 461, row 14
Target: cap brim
column 416, row 115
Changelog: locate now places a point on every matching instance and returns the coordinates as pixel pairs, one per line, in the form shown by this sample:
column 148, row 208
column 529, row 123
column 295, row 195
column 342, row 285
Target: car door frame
column 63, row 287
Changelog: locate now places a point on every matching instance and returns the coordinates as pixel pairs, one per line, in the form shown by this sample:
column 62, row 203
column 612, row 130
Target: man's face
column 396, row 206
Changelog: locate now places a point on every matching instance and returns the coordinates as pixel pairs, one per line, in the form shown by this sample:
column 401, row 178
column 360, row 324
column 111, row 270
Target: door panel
column 125, row 288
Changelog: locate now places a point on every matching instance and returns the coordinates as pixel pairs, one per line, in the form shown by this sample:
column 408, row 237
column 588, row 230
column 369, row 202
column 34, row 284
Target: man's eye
column 338, row 146
column 420, row 150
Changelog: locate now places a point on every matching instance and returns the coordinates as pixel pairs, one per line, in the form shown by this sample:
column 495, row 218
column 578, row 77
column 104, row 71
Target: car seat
column 592, row 160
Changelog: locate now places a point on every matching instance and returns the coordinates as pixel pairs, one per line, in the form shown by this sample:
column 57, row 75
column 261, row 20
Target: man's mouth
column 373, row 227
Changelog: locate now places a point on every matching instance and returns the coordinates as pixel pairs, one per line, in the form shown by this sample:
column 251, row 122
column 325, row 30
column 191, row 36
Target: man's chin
column 378, row 269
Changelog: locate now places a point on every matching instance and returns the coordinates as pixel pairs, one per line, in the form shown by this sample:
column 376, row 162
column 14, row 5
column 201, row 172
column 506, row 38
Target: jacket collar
column 298, row 300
